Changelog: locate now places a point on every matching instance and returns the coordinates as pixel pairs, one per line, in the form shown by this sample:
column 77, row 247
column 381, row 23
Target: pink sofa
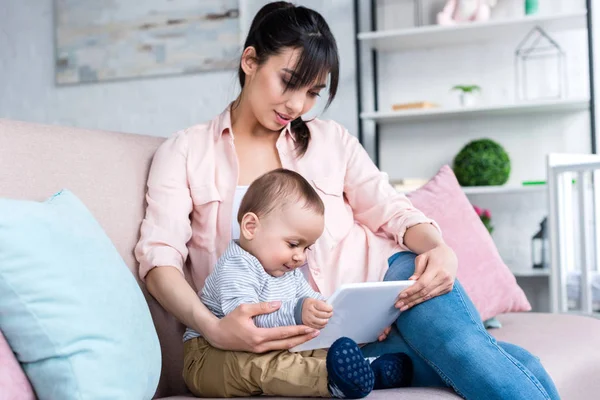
column 107, row 171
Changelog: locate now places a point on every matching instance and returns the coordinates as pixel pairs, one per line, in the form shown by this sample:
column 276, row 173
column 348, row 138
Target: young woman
column 371, row 232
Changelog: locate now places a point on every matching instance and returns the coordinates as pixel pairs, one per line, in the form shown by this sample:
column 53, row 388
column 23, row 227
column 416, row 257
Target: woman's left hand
column 385, row 334
column 435, row 272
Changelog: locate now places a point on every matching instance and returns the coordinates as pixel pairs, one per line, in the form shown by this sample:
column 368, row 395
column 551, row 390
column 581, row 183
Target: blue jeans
column 449, row 347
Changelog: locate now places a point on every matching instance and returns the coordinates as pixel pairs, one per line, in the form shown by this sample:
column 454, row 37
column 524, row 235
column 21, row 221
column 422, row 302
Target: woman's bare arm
column 422, row 238
column 234, row 332
column 435, row 266
column 174, row 293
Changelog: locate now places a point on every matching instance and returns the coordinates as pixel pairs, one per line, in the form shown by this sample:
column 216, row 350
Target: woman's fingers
column 422, row 287
column 441, row 289
column 420, row 266
column 438, row 286
column 439, row 265
column 385, row 334
column 283, row 333
column 283, row 338
column 418, row 297
column 258, row 340
column 266, row 307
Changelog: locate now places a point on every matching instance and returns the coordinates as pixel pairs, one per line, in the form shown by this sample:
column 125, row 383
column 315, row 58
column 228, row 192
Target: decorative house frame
column 537, row 47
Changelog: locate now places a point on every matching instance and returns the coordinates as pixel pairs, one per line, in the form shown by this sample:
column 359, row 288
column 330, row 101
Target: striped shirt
column 239, row 278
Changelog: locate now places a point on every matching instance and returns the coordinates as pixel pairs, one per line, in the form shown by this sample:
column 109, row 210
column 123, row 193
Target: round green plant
column 482, row 162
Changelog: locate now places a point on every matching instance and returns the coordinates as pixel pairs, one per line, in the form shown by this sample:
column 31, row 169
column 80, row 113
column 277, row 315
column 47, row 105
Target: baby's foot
column 350, row 375
column 392, row 371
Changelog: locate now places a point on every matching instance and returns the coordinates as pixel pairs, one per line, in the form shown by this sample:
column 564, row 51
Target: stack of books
column 408, row 185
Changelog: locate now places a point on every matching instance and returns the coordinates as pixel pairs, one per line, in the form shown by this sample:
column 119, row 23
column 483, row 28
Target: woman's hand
column 435, row 272
column 236, row 331
column 385, row 334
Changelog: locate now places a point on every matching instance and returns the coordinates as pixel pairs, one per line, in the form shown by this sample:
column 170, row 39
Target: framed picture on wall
column 106, row 40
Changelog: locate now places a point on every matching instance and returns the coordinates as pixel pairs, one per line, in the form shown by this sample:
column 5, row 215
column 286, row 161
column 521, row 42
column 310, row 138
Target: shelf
column 526, row 273
column 506, row 189
column 432, row 114
column 485, row 190
column 476, row 32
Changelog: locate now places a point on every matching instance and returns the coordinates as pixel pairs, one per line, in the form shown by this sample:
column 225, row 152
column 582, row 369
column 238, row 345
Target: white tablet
column 361, row 311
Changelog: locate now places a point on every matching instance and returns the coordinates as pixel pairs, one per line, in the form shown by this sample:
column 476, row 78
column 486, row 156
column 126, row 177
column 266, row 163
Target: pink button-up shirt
column 192, row 184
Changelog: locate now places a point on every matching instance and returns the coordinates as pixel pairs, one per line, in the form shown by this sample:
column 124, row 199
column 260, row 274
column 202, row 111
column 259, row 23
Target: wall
column 157, row 106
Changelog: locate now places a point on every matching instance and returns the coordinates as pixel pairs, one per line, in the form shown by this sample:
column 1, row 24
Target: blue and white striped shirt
column 239, row 278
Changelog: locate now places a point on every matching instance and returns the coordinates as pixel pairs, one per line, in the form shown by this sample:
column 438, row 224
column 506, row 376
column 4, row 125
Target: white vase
column 467, row 99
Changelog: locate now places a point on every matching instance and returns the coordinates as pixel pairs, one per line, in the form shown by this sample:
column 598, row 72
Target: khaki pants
column 210, row 372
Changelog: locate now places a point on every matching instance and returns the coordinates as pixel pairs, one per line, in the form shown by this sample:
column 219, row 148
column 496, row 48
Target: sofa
column 108, row 171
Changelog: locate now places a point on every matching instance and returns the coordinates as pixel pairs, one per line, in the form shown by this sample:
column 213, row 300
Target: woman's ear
column 249, row 225
column 249, row 62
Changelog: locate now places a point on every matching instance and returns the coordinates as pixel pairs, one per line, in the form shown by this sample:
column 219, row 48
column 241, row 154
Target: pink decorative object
column 461, row 11
column 486, row 217
column 485, row 277
column 13, row 381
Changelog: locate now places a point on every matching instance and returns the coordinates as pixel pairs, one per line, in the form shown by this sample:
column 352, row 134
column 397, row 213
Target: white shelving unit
column 521, row 271
column 437, row 36
column 430, row 38
column 497, row 190
column 530, row 273
column 433, row 114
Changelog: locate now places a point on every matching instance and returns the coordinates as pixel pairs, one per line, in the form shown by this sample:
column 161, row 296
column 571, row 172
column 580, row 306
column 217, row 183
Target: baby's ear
column 248, row 226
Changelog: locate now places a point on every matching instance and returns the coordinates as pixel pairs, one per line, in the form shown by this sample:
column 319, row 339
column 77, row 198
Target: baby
column 280, row 216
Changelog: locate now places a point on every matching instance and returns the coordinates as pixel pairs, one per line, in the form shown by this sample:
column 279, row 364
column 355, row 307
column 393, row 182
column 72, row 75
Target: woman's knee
column 528, row 360
column 401, row 266
column 534, row 365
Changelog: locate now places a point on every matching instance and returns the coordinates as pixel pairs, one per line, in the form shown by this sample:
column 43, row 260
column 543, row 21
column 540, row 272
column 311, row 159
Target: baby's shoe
column 349, row 373
column 392, row 371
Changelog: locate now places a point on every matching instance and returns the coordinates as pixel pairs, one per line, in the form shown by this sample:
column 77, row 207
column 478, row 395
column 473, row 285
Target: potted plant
column 486, row 217
column 482, row 162
column 467, row 94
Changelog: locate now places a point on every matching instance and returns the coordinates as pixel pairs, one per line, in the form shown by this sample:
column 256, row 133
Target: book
column 408, row 184
column 413, row 106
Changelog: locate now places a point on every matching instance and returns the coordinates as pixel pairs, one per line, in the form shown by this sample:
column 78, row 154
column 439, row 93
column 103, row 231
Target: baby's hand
column 316, row 313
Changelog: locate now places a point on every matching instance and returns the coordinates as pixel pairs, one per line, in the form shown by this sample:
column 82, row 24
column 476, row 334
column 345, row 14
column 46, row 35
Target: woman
column 372, row 233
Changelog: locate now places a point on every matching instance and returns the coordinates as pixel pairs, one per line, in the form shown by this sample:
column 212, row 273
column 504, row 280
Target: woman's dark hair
column 280, row 25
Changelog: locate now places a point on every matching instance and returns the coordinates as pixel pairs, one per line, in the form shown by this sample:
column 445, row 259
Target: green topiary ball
column 482, row 162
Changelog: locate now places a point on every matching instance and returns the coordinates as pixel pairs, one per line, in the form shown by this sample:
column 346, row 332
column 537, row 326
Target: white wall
column 157, row 106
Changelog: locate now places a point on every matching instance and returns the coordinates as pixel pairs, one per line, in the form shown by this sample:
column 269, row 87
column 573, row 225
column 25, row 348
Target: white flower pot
column 468, row 99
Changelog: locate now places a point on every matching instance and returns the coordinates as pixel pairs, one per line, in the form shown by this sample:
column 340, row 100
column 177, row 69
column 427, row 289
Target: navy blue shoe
column 349, row 373
column 392, row 371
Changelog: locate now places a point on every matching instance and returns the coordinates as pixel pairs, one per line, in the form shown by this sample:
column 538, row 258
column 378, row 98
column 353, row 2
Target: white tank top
column 240, row 191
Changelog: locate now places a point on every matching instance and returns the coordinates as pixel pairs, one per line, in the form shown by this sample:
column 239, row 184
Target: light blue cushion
column 69, row 306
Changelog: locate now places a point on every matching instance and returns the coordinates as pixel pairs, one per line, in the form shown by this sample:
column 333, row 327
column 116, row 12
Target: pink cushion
column 13, row 382
column 483, row 274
